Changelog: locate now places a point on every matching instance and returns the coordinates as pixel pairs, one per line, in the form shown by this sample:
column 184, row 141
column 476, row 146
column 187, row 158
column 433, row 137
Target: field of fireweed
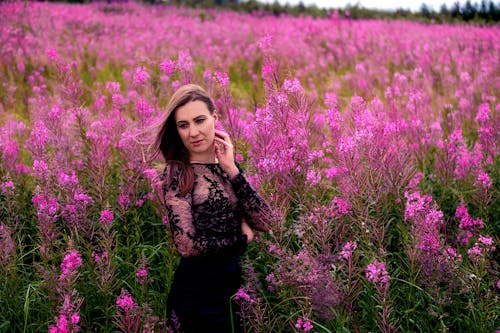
column 376, row 143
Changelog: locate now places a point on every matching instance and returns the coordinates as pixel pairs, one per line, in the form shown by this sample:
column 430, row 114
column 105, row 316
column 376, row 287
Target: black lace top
column 208, row 220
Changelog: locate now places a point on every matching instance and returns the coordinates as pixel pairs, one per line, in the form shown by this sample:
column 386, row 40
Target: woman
column 211, row 209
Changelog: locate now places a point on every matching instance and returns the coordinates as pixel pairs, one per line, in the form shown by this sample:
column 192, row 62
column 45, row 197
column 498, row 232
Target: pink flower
column 125, row 301
column 466, row 221
column 7, row 188
column 52, row 54
column 222, row 79
column 168, row 66
column 40, row 169
column 292, row 86
column 483, row 114
column 184, row 61
column 347, row 250
column 113, row 87
column 313, row 177
column 75, row 318
column 270, row 278
column 99, row 255
column 483, row 180
column 376, row 273
column 475, row 251
column 84, row 198
column 242, row 295
column 486, row 240
column 304, row 324
column 307, row 326
column 340, row 207
column 124, row 201
column 71, row 262
column 106, row 217
column 415, row 180
column 140, row 76
column 142, row 270
column 141, row 273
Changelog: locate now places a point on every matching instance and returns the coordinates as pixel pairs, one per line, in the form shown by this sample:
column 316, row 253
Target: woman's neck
column 203, row 159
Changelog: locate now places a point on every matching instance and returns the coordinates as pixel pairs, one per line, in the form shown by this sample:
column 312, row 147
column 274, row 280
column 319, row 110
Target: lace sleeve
column 190, row 243
column 257, row 213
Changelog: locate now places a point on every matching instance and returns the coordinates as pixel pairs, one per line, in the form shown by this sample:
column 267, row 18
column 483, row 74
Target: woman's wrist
column 233, row 171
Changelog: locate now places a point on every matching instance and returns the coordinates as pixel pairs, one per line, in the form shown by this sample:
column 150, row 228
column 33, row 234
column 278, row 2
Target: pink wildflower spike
column 71, row 262
column 106, row 217
column 125, row 301
column 376, row 273
column 242, row 295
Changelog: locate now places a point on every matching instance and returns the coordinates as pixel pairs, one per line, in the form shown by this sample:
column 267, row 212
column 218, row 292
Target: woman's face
column 196, row 127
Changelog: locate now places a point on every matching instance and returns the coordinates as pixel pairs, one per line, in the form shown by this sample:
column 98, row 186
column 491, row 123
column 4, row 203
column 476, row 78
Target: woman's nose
column 193, row 131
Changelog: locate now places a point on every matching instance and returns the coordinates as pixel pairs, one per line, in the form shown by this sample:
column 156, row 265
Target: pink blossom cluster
column 347, row 250
column 106, row 217
column 376, row 273
column 63, row 326
column 70, row 264
column 242, row 295
column 304, row 324
column 142, row 271
column 468, row 225
column 483, row 246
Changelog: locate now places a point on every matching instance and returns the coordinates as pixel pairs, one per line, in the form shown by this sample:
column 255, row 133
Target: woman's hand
column 224, row 151
column 246, row 230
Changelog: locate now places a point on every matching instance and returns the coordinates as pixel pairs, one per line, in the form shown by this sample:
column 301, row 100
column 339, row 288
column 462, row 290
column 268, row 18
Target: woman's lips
column 197, row 143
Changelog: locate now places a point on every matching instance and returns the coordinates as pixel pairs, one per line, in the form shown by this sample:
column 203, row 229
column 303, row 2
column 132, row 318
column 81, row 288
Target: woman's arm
column 257, row 213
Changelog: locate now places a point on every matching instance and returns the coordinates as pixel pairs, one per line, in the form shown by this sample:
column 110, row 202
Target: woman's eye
column 182, row 126
column 199, row 121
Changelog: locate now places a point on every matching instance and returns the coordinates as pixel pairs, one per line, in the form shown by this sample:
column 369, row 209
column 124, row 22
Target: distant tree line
column 485, row 12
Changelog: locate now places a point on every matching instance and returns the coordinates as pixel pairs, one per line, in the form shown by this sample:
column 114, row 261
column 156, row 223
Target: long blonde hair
column 169, row 144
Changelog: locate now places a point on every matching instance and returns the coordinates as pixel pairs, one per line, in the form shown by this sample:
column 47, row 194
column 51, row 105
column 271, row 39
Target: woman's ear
column 215, row 115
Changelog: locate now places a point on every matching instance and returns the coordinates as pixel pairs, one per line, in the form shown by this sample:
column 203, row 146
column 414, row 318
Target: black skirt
column 200, row 298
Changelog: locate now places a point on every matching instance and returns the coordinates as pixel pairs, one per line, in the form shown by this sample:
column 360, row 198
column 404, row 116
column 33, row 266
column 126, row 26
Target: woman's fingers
column 223, row 135
column 224, row 142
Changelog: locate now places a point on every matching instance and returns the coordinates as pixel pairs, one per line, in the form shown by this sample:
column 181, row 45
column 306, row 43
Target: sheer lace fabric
column 208, row 220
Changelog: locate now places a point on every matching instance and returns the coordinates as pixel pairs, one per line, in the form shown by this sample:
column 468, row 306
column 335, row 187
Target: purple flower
column 243, row 295
column 124, row 201
column 292, row 86
column 7, row 188
column 84, row 198
column 223, row 79
column 466, row 221
column 376, row 273
column 304, row 324
column 486, row 240
column 347, row 250
column 125, row 301
column 106, row 217
column 140, row 76
column 142, row 271
column 71, row 262
column 168, row 66
column 483, row 181
column 75, row 318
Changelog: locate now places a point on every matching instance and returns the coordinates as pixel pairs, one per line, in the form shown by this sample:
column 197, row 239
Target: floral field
column 375, row 142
